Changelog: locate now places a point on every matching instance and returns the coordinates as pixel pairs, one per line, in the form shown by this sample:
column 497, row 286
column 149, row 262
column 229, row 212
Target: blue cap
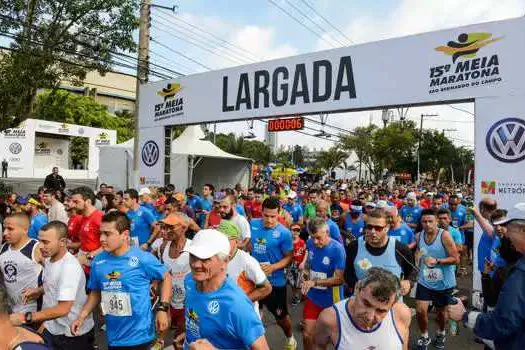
column 22, row 199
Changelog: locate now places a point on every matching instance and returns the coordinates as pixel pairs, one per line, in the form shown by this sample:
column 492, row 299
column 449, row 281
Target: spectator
column 54, row 181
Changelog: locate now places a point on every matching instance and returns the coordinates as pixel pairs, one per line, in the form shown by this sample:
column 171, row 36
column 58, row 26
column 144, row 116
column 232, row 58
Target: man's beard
column 228, row 215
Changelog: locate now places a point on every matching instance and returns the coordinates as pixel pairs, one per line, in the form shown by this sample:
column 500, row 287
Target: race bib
column 433, row 275
column 134, row 241
column 177, row 299
column 116, row 304
column 315, row 276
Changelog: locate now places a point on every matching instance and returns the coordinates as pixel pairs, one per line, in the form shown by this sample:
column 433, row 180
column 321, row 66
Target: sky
column 259, row 30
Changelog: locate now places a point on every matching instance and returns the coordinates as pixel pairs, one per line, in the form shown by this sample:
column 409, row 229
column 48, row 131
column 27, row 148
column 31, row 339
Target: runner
column 322, row 211
column 20, row 263
column 120, row 281
column 228, row 212
column 398, row 229
column 436, row 255
column 373, row 319
column 377, row 249
column 411, row 212
column 243, row 269
column 294, row 209
column 297, row 266
column 213, row 218
column 177, row 262
column 63, row 292
column 323, row 288
column 273, row 249
column 37, row 217
column 56, row 209
column 218, row 312
column 142, row 221
column 354, row 222
column 444, row 222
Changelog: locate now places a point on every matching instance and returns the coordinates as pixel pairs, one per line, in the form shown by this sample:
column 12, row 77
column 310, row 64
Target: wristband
column 28, row 318
column 163, row 307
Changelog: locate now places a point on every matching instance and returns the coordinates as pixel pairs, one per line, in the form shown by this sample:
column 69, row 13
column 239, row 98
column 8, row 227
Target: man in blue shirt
column 38, row 219
column 411, row 213
column 218, row 313
column 206, row 203
column 444, row 222
column 193, row 200
column 120, row 282
column 295, row 210
column 398, row 229
column 322, row 212
column 354, row 222
column 272, row 247
column 146, row 201
column 142, row 220
column 458, row 214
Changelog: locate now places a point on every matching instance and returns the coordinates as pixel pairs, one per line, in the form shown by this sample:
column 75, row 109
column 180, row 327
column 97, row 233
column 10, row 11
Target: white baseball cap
column 411, row 195
column 207, row 243
column 144, row 190
column 515, row 213
column 292, row 195
column 381, row 204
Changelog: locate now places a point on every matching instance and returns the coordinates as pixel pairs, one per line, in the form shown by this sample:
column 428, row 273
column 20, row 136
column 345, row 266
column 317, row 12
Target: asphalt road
column 275, row 337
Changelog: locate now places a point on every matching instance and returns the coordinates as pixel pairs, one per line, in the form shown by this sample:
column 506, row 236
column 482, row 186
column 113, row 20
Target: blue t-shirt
column 295, row 211
column 152, row 210
column 121, row 278
column 484, row 249
column 410, row 215
column 240, row 210
column 356, row 228
column 37, row 222
column 270, row 245
column 459, row 217
column 495, row 257
column 403, row 234
column 323, row 262
column 225, row 317
column 334, row 231
column 141, row 221
column 457, row 237
column 194, row 202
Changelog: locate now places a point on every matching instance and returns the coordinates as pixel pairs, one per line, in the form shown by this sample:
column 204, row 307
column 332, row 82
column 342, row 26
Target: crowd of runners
column 201, row 264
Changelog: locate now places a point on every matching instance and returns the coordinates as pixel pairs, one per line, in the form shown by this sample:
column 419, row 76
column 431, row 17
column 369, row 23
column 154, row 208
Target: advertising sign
column 151, row 148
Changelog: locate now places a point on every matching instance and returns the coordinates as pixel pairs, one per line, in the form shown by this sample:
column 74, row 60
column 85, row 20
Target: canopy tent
column 194, row 161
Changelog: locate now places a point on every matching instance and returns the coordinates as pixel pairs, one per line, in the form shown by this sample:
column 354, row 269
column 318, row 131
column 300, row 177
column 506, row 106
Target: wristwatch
column 28, row 318
column 163, row 306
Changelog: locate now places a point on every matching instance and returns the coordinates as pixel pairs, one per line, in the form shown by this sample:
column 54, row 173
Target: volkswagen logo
column 150, row 153
column 506, row 140
column 15, row 148
column 213, row 307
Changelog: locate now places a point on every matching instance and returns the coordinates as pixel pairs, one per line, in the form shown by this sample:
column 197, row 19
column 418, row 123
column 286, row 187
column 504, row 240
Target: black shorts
column 439, row 298
column 146, row 346
column 61, row 342
column 469, row 240
column 276, row 303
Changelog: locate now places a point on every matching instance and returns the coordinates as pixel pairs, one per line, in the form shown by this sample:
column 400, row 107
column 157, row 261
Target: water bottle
column 453, row 325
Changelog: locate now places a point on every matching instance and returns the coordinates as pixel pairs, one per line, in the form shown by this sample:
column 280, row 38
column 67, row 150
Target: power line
column 300, row 22
column 239, row 49
column 180, row 54
column 327, row 21
column 462, row 110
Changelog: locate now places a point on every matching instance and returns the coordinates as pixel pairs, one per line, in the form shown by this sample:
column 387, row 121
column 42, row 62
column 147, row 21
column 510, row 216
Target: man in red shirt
column 83, row 200
column 396, row 200
column 254, row 208
column 73, row 225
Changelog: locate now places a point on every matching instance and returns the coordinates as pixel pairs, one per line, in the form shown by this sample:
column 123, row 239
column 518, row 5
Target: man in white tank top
column 372, row 319
column 20, row 262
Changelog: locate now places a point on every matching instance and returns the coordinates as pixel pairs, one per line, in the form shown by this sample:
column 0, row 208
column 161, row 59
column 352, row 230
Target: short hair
column 313, row 191
column 190, row 190
column 103, row 184
column 21, row 217
column 258, row 191
column 444, row 211
column 392, row 209
column 120, row 193
column 58, row 226
column 429, row 211
column 51, row 192
column 498, row 214
column 271, row 203
column 377, row 214
column 383, row 283
column 210, row 186
column 133, row 194
column 121, row 220
column 316, row 225
column 453, row 196
column 86, row 193
column 438, row 196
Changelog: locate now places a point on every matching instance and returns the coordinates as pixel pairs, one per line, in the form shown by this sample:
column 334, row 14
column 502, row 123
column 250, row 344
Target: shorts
column 311, row 311
column 294, row 276
column 439, row 298
column 61, row 342
column 469, row 240
column 276, row 303
column 177, row 320
column 146, row 346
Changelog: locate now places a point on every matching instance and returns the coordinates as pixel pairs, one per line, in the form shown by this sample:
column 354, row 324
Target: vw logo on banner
column 150, row 153
column 15, row 148
column 506, row 140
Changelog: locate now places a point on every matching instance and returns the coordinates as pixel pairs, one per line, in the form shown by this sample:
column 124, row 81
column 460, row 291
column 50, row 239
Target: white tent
column 193, row 161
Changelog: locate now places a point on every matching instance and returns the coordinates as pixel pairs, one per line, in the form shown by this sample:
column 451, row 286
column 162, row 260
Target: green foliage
column 55, row 40
column 237, row 145
column 330, row 159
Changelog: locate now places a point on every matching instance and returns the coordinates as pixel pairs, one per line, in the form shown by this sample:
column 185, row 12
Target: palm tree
column 331, row 158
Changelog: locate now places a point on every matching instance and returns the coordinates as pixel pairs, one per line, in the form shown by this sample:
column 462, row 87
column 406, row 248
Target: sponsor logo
column 60, row 152
column 192, row 323
column 326, row 260
column 467, row 69
column 63, row 129
column 133, row 261
column 173, row 104
column 488, row 187
column 42, row 148
column 15, row 148
column 150, row 153
column 102, row 139
column 81, row 131
column 505, row 140
column 113, row 275
column 10, row 271
column 213, row 307
column 14, row 133
column 45, row 126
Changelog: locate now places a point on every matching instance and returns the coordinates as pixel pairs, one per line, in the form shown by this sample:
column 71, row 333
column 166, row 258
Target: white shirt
column 178, row 268
column 64, row 280
column 243, row 225
column 57, row 211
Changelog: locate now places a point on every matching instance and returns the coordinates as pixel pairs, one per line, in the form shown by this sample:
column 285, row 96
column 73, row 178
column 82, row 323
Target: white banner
column 151, row 148
column 500, row 154
column 449, row 65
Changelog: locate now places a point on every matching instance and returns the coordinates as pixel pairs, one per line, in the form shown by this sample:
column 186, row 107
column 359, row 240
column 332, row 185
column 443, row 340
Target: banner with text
column 151, row 155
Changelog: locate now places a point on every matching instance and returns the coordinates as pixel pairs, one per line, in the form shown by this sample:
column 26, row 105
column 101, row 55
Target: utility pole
column 142, row 77
column 419, row 143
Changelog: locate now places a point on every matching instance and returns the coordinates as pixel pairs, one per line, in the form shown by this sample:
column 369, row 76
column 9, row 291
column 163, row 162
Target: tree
column 360, row 141
column 66, row 107
column 331, row 158
column 436, row 152
column 237, row 145
column 56, row 40
column 298, row 156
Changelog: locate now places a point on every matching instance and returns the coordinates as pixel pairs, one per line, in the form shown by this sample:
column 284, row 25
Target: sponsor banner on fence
column 454, row 64
column 500, row 152
column 151, row 156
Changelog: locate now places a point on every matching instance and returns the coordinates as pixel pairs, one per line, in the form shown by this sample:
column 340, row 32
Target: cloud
column 260, row 41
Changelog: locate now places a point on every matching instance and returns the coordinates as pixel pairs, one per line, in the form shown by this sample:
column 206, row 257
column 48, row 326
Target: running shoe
column 439, row 341
column 423, row 343
column 292, row 345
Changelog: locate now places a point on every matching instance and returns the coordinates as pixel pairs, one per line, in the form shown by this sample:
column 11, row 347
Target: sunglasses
column 376, row 228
